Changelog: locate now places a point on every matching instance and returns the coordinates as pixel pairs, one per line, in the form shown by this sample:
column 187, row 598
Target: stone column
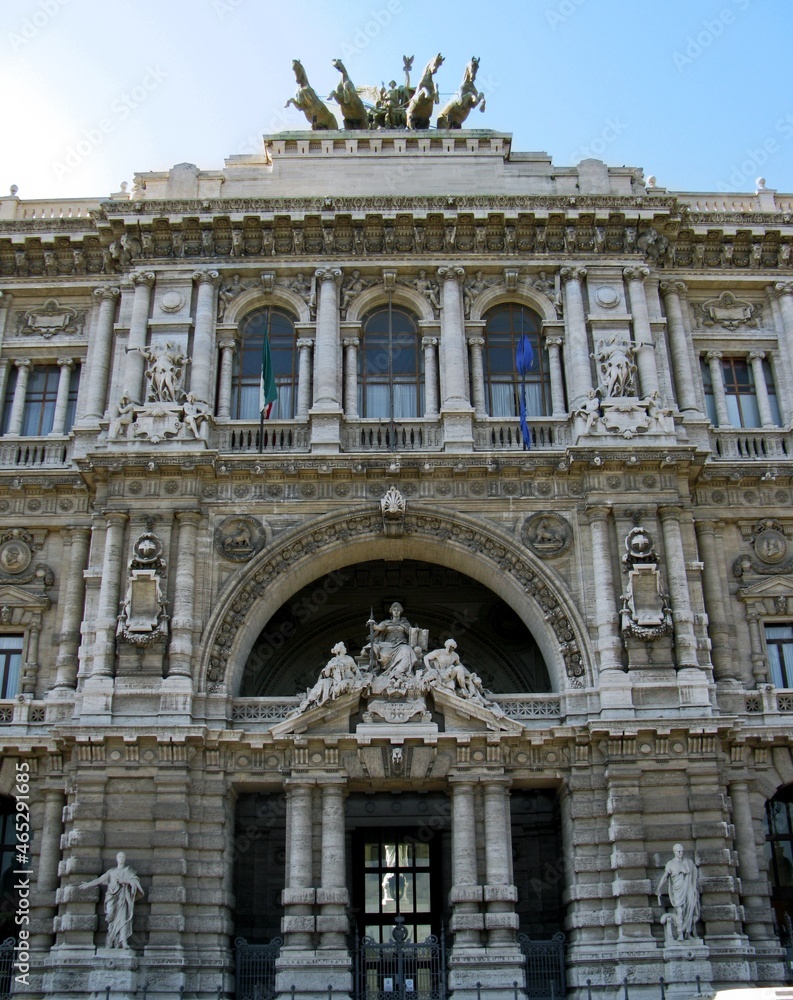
column 715, row 599
column 554, row 346
column 430, row 345
column 299, row 895
column 475, row 345
column 754, row 888
column 759, row 662
column 5, row 367
column 332, row 896
column 327, row 346
column 678, row 346
column 351, row 377
column 24, row 367
column 180, row 650
column 62, row 398
column 682, row 616
column 717, row 378
column 609, row 643
column 203, row 336
column 31, row 665
column 304, row 345
column 100, row 355
column 454, row 391
column 46, row 868
column 466, row 894
column 109, row 591
column 227, row 348
column 761, row 388
column 73, row 600
column 642, row 331
column 580, row 380
column 138, row 335
column 783, row 290
column 501, row 921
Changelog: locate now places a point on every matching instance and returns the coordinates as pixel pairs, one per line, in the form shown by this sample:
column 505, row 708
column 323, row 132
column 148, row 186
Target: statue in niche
column 165, row 370
column 306, row 100
column 615, row 363
column 467, row 97
column 429, row 289
column 123, row 888
column 681, row 875
column 352, row 288
column 229, row 291
column 474, row 288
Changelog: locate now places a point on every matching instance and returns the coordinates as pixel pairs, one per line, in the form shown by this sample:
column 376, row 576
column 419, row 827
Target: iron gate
column 256, row 969
column 545, row 978
column 400, row 969
column 6, row 967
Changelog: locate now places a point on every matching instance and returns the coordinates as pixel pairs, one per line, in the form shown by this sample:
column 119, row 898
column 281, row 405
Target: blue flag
column 524, row 360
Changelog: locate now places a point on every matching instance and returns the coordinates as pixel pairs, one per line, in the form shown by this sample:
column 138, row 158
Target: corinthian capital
column 206, row 277
column 636, row 273
column 142, row 278
column 333, row 274
column 572, row 274
column 451, row 274
column 106, row 293
column 783, row 288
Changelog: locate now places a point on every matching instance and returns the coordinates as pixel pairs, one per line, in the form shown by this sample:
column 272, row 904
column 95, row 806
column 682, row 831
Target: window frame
column 374, row 343
column 542, row 380
column 246, row 384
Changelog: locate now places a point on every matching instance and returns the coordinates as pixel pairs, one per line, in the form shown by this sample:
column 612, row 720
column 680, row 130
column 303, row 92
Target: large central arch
column 533, row 591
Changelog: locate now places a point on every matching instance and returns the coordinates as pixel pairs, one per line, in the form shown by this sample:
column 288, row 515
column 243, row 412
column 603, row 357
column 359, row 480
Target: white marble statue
column 392, row 645
column 337, row 677
column 122, row 889
column 443, row 668
column 681, row 876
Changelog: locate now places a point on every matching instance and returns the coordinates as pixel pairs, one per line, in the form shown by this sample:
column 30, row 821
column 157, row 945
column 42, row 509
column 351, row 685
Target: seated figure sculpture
column 338, row 676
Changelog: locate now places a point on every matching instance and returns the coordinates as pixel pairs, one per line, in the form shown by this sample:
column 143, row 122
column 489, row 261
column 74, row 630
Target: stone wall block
column 619, row 831
column 755, row 887
column 720, row 883
column 712, row 830
column 625, row 804
column 593, row 890
column 589, row 918
column 593, row 835
column 166, row 922
column 501, row 921
column 702, row 801
column 631, row 887
column 465, row 894
column 75, row 922
column 290, row 925
column 721, row 911
column 500, row 893
column 629, row 859
column 299, row 897
column 633, row 915
column 717, row 856
column 340, row 897
column 592, row 863
column 167, row 894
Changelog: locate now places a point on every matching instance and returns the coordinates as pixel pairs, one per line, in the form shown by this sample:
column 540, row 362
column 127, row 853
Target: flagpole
column 262, row 403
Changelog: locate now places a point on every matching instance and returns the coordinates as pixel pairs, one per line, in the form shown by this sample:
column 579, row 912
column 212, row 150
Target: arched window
column 390, row 365
column 504, row 326
column 279, row 328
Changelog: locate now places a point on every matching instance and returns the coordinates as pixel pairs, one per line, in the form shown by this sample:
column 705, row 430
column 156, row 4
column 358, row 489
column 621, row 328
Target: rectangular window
column 779, row 643
column 40, row 398
column 740, row 392
column 11, row 664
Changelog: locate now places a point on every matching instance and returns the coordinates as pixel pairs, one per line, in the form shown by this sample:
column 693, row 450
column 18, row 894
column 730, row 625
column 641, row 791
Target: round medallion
column 546, row 534
column 771, row 546
column 15, row 556
column 607, row 297
column 239, row 538
column 172, row 302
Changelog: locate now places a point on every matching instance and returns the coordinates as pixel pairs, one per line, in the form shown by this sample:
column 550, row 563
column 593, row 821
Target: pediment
column 331, row 717
column 15, row 597
column 769, row 586
column 464, row 715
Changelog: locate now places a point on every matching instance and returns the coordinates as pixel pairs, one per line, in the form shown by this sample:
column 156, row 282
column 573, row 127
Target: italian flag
column 268, row 391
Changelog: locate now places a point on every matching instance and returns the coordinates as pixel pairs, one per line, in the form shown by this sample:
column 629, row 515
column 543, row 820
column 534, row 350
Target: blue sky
column 697, row 93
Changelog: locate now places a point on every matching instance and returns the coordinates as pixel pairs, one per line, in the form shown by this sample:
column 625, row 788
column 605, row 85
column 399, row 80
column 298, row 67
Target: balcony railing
column 34, row 453
column 748, row 444
column 383, row 435
column 274, row 436
column 498, row 434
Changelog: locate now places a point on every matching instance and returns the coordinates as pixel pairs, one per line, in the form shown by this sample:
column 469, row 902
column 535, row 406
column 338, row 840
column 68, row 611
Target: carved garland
column 372, row 524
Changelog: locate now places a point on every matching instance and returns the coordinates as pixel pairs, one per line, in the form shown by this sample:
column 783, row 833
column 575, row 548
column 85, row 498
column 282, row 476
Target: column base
column 325, row 431
column 312, row 972
column 486, row 973
column 176, row 698
column 694, row 691
column 616, row 694
column 97, row 698
column 458, row 430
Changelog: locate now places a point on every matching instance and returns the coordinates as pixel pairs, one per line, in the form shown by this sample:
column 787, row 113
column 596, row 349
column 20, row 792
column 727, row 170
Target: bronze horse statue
column 352, row 107
column 306, row 100
column 420, row 107
column 467, row 97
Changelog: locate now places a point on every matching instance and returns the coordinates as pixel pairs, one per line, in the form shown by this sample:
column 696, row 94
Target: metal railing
column 400, row 969
column 256, row 969
column 545, row 975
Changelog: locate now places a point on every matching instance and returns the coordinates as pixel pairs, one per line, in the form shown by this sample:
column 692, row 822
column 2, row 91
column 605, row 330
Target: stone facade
column 175, row 574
